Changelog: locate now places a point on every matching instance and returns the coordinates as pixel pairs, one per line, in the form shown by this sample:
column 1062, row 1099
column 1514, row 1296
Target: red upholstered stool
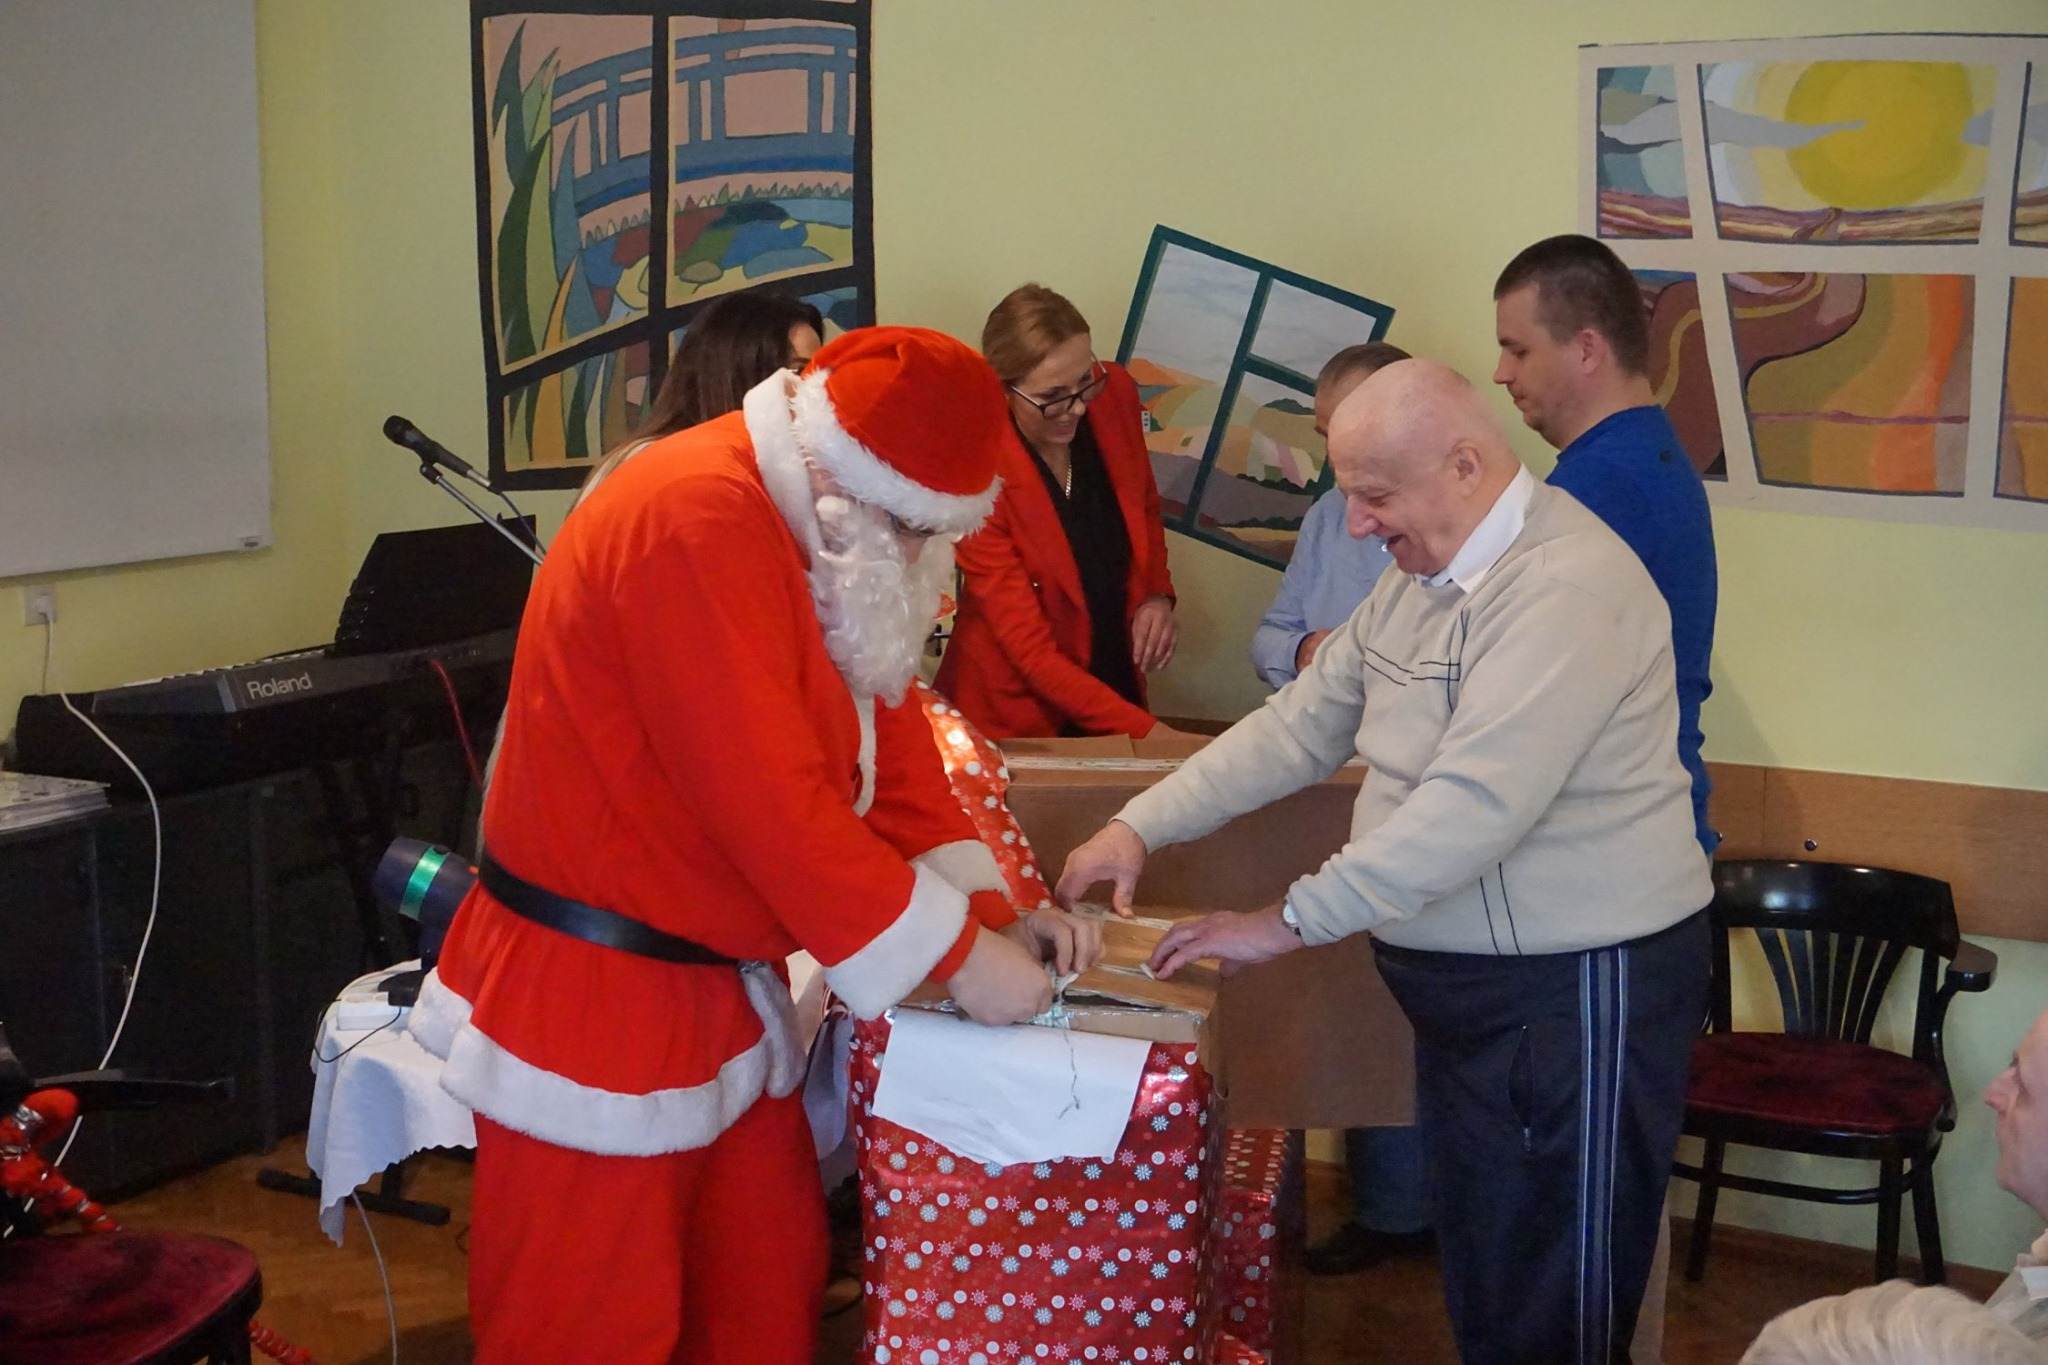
column 125, row 1298
column 1832, row 935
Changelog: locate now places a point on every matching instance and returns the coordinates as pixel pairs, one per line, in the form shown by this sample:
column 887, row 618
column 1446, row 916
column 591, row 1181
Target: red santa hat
column 907, row 420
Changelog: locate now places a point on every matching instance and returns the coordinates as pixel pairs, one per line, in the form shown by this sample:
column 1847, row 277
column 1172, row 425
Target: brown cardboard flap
column 1168, row 746
column 1110, row 746
column 1126, row 946
column 1116, row 997
column 1310, row 1040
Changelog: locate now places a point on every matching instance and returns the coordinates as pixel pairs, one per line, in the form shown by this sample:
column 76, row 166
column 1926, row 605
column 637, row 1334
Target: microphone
column 399, row 431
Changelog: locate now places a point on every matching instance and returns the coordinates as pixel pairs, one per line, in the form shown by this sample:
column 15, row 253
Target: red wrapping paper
column 1254, row 1199
column 1074, row 1260
column 979, row 779
column 1229, row 1350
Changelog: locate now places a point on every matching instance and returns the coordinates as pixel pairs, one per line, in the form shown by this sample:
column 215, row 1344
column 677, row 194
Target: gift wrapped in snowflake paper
column 1250, row 1258
column 1041, row 1192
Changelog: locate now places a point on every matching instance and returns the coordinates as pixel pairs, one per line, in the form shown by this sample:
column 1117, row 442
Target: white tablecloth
column 377, row 1098
column 377, row 1095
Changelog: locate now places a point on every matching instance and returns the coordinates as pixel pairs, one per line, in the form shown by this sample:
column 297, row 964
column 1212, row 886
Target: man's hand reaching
column 1115, row 855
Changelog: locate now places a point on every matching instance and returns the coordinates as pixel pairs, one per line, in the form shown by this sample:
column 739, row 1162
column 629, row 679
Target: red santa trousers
column 712, row 1257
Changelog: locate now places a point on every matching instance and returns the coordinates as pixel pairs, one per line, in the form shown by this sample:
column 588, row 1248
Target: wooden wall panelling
column 1989, row 843
column 1736, row 808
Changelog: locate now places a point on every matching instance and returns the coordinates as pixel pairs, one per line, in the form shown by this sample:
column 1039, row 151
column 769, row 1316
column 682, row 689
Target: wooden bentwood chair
column 1832, row 934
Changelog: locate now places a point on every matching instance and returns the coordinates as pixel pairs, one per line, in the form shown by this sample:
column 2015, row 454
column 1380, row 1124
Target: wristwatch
column 1289, row 918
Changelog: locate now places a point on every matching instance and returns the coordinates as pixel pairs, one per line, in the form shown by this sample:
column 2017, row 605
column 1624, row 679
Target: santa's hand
column 1071, row 943
column 1229, row 936
column 1116, row 855
column 1000, row 982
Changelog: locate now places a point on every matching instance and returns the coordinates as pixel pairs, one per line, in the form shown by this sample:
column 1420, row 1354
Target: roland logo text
column 267, row 689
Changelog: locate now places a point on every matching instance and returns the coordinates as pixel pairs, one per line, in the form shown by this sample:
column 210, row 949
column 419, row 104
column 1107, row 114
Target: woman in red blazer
column 1065, row 601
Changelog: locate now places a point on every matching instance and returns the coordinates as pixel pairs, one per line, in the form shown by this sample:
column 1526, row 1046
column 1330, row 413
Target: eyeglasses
column 1060, row 405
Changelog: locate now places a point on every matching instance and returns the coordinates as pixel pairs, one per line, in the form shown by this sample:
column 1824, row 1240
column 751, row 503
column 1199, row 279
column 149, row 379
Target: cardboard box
column 1309, row 1040
column 1119, row 998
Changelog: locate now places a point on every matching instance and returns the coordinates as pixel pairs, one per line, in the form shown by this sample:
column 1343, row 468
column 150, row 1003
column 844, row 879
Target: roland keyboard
column 229, row 724
column 284, row 679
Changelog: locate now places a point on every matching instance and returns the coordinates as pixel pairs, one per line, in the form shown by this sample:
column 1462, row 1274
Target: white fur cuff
column 901, row 956
column 966, row 863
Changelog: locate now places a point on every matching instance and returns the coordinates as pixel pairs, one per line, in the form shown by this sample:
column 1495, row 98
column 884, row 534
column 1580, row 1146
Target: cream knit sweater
column 1524, row 793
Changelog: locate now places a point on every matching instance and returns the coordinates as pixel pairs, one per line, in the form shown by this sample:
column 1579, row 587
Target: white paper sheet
column 1009, row 1095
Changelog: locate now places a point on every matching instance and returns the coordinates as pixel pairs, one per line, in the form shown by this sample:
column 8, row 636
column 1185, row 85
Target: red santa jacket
column 680, row 748
column 1018, row 661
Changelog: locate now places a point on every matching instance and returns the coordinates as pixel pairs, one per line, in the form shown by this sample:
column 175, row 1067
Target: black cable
column 396, row 1014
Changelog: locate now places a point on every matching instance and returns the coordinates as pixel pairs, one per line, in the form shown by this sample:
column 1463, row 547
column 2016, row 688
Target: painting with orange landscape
column 1180, row 345
column 1848, row 151
column 1680, row 376
column 1267, row 472
column 1856, row 382
column 1225, row 349
column 2023, row 428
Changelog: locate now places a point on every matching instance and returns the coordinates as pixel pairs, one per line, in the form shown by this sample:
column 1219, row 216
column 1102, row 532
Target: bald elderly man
column 1522, row 853
column 2019, row 1096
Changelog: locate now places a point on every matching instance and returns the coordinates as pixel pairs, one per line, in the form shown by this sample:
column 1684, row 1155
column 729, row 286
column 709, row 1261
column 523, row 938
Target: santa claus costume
column 708, row 763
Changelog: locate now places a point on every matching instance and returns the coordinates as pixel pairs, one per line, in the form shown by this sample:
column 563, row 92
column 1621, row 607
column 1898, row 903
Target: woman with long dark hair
column 734, row 344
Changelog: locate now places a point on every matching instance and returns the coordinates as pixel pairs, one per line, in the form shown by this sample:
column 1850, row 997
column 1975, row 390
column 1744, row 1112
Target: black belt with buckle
column 606, row 928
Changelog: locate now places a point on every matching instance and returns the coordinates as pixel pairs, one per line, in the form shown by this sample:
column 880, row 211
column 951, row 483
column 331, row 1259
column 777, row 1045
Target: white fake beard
column 877, row 609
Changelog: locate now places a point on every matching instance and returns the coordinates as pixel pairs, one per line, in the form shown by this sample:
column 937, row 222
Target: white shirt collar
column 1490, row 538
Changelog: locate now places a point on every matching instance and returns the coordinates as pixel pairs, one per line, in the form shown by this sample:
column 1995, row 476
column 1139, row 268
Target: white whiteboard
column 133, row 414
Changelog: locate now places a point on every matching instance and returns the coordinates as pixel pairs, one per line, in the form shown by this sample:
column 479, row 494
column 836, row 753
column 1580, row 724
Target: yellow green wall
column 149, row 619
column 1401, row 150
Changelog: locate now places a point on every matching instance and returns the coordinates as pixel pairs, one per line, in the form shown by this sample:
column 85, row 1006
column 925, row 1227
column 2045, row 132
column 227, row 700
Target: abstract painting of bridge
column 635, row 160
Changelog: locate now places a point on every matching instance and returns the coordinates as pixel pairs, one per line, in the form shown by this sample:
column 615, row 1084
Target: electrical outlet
column 39, row 604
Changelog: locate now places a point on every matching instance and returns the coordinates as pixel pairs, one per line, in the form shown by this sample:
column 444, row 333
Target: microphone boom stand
column 532, row 548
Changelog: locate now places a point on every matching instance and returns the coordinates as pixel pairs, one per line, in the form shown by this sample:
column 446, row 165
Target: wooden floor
column 330, row 1299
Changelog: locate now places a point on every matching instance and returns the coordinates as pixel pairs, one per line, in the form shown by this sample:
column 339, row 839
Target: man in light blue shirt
column 1330, row 574
column 1330, row 571
column 1328, row 577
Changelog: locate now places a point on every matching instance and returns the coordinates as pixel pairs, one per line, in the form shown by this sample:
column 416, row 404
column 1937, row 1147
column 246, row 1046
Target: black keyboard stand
column 388, row 1197
column 361, row 795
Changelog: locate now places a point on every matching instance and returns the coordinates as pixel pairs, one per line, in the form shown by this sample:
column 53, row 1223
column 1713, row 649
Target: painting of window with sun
column 1680, row 377
column 1839, row 243
column 598, row 240
column 1857, row 382
column 1225, row 350
column 1848, row 151
column 1641, row 161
